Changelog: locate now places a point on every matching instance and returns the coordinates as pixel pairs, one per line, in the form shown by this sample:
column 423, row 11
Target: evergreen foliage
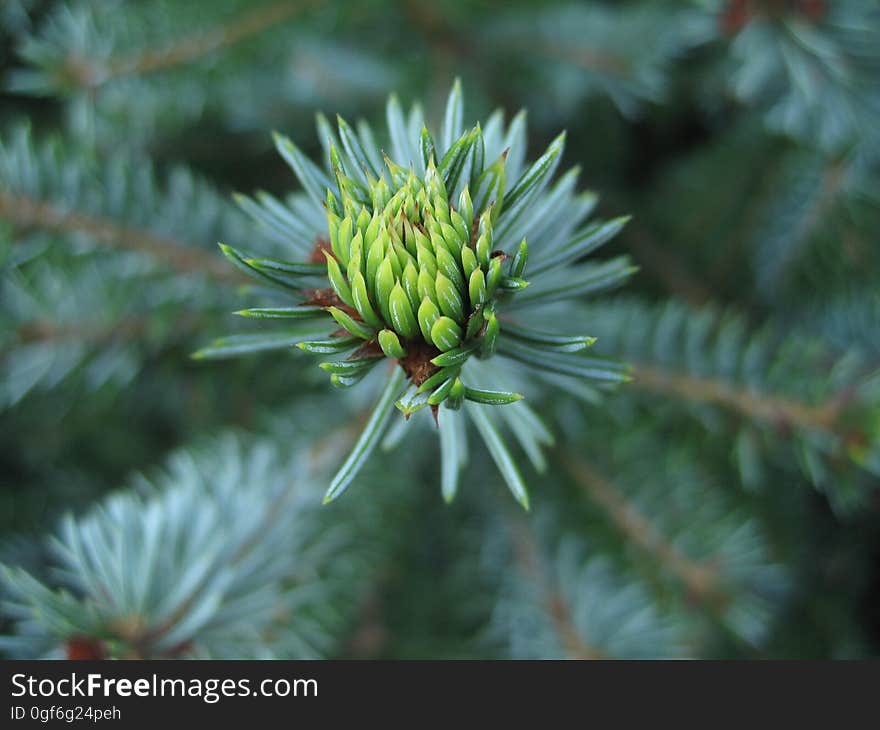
column 721, row 502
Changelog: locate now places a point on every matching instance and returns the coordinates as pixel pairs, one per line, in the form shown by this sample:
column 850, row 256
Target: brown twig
column 832, row 181
column 26, row 212
column 780, row 412
column 93, row 74
column 42, row 330
column 700, row 580
column 529, row 559
column 585, row 58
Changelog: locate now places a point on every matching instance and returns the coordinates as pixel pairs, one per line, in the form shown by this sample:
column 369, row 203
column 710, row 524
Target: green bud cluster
column 412, row 268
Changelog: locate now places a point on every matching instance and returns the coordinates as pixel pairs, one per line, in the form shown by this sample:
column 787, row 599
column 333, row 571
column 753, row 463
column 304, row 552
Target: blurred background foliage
column 723, row 504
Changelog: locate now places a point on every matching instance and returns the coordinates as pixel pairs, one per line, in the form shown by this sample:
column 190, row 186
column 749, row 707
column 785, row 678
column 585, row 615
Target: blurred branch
column 434, row 25
column 92, row 75
column 764, row 186
column 331, row 446
column 811, row 218
column 142, row 644
column 584, row 58
column 529, row 559
column 98, row 334
column 775, row 410
column 832, row 181
column 44, row 331
column 700, row 580
column 447, row 47
column 369, row 635
column 25, row 212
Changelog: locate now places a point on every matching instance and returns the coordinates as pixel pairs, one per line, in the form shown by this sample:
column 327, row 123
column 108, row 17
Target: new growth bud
column 414, row 268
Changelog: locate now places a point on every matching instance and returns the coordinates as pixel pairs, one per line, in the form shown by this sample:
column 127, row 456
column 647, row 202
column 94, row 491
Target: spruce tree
column 436, row 394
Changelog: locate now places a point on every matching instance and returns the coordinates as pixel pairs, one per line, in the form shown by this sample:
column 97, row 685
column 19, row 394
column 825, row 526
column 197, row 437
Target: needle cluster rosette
column 416, row 276
column 420, row 255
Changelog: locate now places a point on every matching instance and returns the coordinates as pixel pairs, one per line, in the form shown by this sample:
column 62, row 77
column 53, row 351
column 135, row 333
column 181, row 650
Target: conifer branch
column 45, row 331
column 701, row 581
column 775, row 410
column 369, row 635
column 142, row 644
column 585, row 58
column 327, row 448
column 91, row 74
column 832, row 180
column 417, row 272
column 766, row 184
column 528, row 557
column 25, row 212
column 446, row 257
column 98, row 333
